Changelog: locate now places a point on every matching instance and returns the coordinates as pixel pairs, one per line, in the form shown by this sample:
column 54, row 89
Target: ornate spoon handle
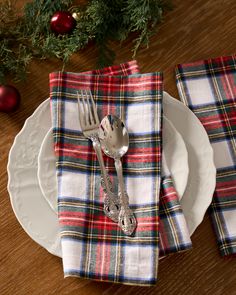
column 111, row 202
column 126, row 219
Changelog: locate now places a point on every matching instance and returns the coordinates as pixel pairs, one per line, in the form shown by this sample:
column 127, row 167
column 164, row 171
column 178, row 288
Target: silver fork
column 89, row 123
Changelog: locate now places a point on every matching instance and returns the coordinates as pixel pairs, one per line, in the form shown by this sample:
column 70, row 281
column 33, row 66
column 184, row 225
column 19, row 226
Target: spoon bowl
column 114, row 137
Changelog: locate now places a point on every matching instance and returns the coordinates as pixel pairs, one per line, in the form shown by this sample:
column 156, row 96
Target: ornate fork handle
column 111, row 202
column 106, row 184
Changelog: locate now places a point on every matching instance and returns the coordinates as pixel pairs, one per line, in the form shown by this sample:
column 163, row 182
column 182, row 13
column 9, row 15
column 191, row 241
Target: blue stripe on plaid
column 67, row 132
column 108, row 278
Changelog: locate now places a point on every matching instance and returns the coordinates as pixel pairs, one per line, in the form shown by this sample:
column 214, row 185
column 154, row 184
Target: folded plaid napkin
column 173, row 230
column 92, row 245
column 208, row 87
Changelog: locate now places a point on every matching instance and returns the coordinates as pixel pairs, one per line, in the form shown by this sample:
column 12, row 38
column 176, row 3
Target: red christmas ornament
column 62, row 22
column 9, row 98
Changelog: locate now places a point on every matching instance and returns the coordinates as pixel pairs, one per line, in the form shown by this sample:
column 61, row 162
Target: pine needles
column 27, row 35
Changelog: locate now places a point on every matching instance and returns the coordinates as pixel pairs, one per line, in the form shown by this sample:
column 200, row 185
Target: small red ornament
column 9, row 98
column 62, row 22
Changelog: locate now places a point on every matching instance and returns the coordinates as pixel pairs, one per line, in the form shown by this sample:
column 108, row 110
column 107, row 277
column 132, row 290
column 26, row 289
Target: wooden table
column 193, row 30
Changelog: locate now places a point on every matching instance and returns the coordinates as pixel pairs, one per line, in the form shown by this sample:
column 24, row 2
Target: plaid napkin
column 92, row 245
column 208, row 87
column 173, row 230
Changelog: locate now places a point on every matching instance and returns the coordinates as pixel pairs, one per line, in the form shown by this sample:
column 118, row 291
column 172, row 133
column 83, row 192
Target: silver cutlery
column 114, row 140
column 89, row 123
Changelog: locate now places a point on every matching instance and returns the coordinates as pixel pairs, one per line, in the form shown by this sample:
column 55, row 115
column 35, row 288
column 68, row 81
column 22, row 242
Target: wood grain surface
column 194, row 30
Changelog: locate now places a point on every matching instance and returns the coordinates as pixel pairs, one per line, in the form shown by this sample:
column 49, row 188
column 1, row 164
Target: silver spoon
column 114, row 140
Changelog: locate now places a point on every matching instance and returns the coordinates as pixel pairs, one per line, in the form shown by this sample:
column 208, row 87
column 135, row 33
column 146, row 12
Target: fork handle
column 111, row 202
column 106, row 182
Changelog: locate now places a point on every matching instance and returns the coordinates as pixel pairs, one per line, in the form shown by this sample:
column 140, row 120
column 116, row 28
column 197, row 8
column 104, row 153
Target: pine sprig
column 27, row 34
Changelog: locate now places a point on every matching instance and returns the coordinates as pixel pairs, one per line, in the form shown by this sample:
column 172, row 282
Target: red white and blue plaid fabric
column 92, row 245
column 208, row 87
column 173, row 230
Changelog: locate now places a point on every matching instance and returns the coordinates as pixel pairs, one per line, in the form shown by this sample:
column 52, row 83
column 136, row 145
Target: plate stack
column 32, row 171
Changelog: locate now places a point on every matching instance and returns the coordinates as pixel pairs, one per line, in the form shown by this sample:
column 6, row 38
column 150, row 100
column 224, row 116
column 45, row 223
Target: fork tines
column 87, row 109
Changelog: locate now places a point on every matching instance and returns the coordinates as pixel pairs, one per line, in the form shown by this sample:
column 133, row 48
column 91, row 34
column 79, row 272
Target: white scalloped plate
column 202, row 172
column 173, row 146
column 40, row 221
column 30, row 207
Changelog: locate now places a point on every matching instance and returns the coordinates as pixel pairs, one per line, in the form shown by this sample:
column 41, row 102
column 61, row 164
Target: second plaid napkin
column 208, row 87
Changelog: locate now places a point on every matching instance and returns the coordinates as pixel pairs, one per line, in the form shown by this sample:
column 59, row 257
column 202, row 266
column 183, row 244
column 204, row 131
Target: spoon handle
column 127, row 220
column 123, row 198
column 111, row 202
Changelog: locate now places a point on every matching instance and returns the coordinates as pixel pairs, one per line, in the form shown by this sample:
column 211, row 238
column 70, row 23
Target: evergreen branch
column 28, row 35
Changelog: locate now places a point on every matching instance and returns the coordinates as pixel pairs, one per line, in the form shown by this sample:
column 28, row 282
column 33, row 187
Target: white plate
column 30, row 207
column 47, row 170
column 40, row 221
column 202, row 172
column 173, row 146
column 176, row 156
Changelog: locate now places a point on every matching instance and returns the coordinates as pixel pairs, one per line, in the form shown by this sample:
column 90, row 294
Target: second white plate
column 202, row 172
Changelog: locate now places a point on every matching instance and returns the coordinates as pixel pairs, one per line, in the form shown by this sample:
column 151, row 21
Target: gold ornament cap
column 76, row 15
